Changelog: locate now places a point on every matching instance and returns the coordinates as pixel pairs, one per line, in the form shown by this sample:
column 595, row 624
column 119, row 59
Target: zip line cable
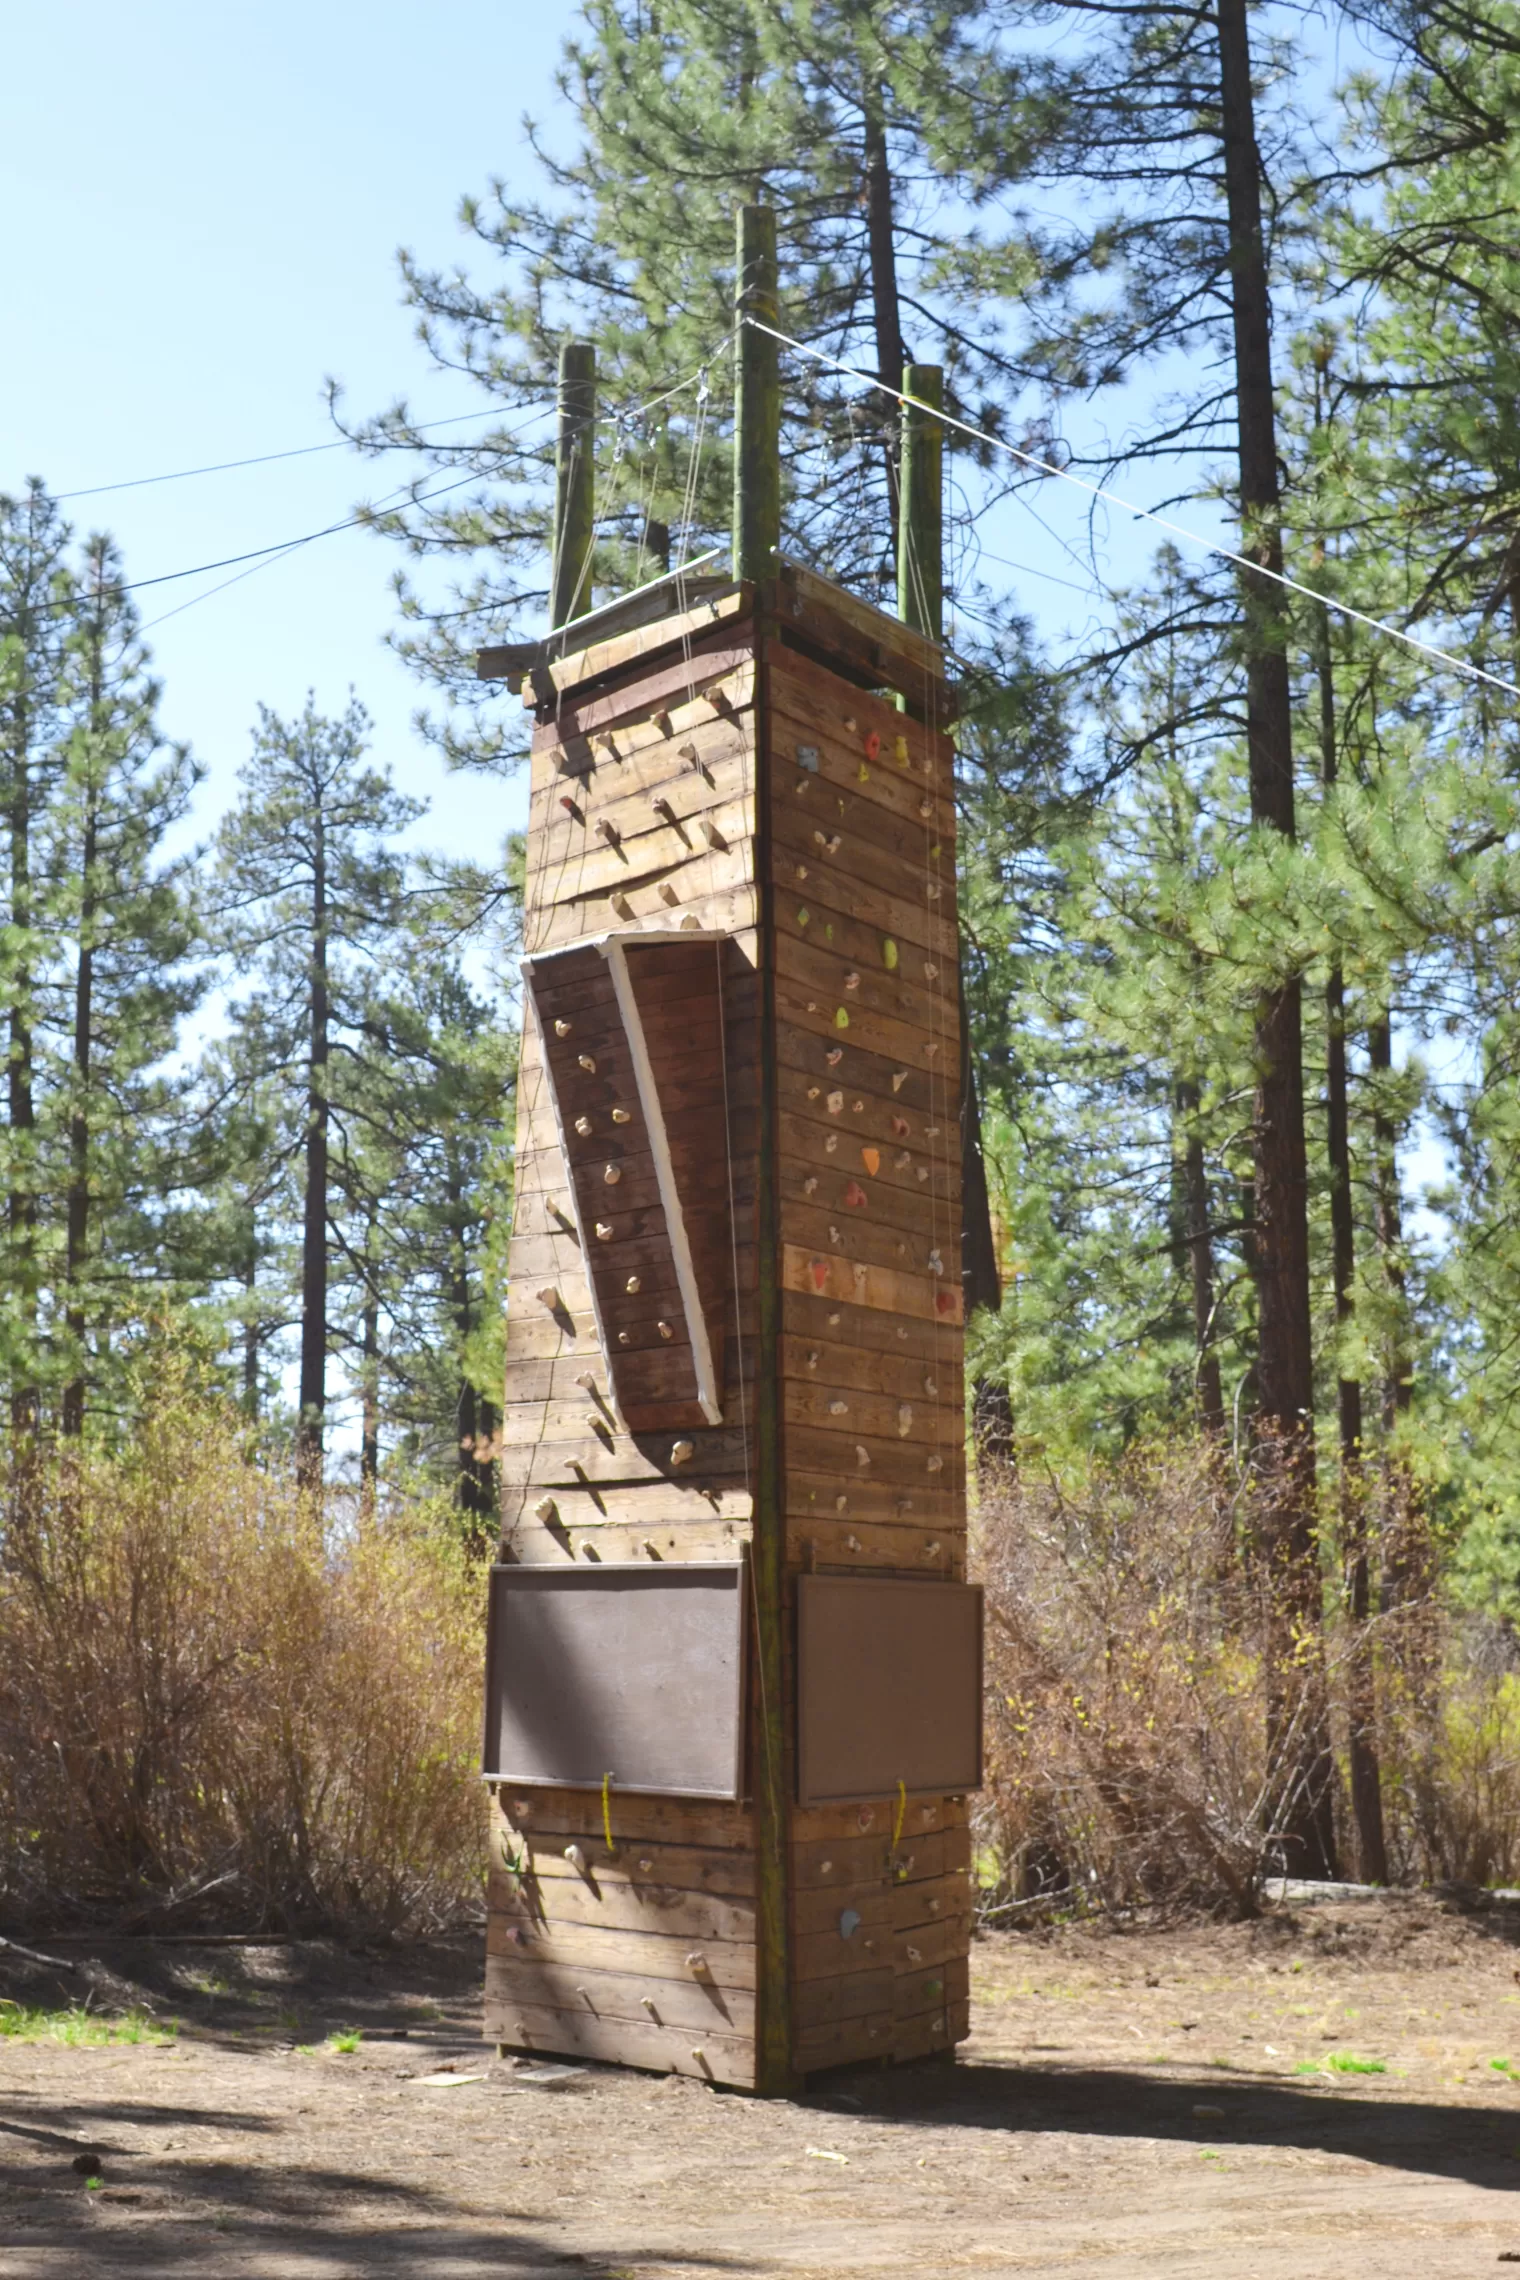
column 1143, row 514
column 258, row 554
column 261, row 459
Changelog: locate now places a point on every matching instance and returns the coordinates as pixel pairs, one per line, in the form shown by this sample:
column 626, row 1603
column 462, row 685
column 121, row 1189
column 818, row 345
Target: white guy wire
column 1144, row 514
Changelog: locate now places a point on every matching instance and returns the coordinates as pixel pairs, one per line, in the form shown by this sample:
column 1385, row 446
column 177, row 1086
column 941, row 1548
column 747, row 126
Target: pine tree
column 121, row 917
column 310, row 895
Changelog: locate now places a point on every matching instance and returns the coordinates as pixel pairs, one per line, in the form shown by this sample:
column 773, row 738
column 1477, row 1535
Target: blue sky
column 205, row 207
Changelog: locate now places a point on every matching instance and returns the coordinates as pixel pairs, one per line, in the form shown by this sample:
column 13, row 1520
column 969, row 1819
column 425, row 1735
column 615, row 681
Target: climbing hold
column 664, row 1329
column 862, row 774
column 834, row 1056
column 835, row 1237
column 604, row 1230
column 902, row 1161
column 936, row 1263
column 855, row 1196
column 834, row 1103
column 818, row 1270
column 900, row 751
column 546, row 1509
column 889, row 954
column 931, row 971
column 668, row 894
column 944, row 1302
column 576, row 1858
column 900, row 1127
column 549, row 1297
column 612, row 1175
column 841, row 1018
column 682, row 1452
column 814, row 1091
column 562, row 1029
column 586, row 1382
column 585, row 1062
column 871, row 1158
column 803, row 917
column 632, row 1286
column 862, row 1458
column 608, row 830
column 813, row 1359
column 807, row 757
column 931, row 1385
column 839, row 1409
column 852, row 980
column 621, row 906
column 583, row 1125
column 936, row 1462
column 873, row 745
column 659, row 805
column 904, row 1420
column 622, row 1116
column 810, row 1183
column 831, row 1143
column 849, row 1922
column 899, row 1079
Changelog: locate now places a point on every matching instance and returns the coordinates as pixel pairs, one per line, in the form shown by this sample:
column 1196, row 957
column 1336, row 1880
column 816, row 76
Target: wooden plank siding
column 773, row 766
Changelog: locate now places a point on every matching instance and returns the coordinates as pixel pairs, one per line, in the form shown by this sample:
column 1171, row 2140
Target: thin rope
column 607, row 1813
column 1148, row 514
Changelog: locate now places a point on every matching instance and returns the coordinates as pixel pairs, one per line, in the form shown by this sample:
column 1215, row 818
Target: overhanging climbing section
column 631, row 1029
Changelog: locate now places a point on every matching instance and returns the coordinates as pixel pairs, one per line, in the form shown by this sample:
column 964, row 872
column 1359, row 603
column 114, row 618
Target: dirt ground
column 1139, row 2102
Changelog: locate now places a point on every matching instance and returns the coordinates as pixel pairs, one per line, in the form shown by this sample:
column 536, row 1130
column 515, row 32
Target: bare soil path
column 1142, row 2103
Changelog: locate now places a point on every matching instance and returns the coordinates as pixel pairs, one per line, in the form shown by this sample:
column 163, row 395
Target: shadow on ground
column 1477, row 2145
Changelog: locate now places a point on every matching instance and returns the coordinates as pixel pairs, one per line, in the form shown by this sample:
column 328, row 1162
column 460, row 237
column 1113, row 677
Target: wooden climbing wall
column 748, row 801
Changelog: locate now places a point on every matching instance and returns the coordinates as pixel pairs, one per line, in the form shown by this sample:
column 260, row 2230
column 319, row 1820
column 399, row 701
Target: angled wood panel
column 632, row 1033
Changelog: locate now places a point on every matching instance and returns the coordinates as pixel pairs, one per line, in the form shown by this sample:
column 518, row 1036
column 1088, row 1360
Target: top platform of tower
column 813, row 614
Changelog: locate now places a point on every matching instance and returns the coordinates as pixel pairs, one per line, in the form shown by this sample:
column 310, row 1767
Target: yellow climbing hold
column 841, row 1019
column 802, row 917
column 900, row 752
column 889, row 955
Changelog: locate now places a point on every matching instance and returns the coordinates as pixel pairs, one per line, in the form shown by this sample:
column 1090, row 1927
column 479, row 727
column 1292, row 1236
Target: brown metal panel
column 889, row 1686
column 634, row 1671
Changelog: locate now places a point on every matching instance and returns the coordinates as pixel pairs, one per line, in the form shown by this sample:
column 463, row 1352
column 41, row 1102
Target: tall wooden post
column 921, row 514
column 757, row 398
column 574, row 482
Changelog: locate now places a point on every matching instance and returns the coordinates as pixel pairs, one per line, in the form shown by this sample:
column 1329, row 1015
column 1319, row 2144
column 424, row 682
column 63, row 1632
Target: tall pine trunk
column 313, row 1388
column 21, row 1203
column 475, row 1482
column 77, row 1212
column 1361, row 1695
column 1298, row 1742
column 1196, row 1244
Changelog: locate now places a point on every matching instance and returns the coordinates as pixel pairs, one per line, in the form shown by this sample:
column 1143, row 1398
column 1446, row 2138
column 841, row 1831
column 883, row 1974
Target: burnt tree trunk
column 1298, row 1726
column 313, row 1383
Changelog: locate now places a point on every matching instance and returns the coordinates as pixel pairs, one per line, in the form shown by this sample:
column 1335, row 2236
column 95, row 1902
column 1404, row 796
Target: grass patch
column 1346, row 2062
column 20, row 2022
column 349, row 2039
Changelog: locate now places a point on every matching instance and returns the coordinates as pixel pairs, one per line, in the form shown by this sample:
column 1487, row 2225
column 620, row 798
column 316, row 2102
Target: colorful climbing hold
column 889, row 954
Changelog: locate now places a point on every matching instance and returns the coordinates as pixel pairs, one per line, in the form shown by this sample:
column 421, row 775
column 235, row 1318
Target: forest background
column 1238, row 883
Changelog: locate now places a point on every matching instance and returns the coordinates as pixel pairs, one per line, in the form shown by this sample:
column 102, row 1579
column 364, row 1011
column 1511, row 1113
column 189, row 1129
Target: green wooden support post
column 574, row 483
column 757, row 398
column 921, row 503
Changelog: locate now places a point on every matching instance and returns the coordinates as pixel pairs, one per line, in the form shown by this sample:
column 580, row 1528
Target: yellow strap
column 607, row 1812
column 902, row 1812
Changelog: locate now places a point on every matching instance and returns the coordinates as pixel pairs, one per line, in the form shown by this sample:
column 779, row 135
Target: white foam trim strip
column 613, row 949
